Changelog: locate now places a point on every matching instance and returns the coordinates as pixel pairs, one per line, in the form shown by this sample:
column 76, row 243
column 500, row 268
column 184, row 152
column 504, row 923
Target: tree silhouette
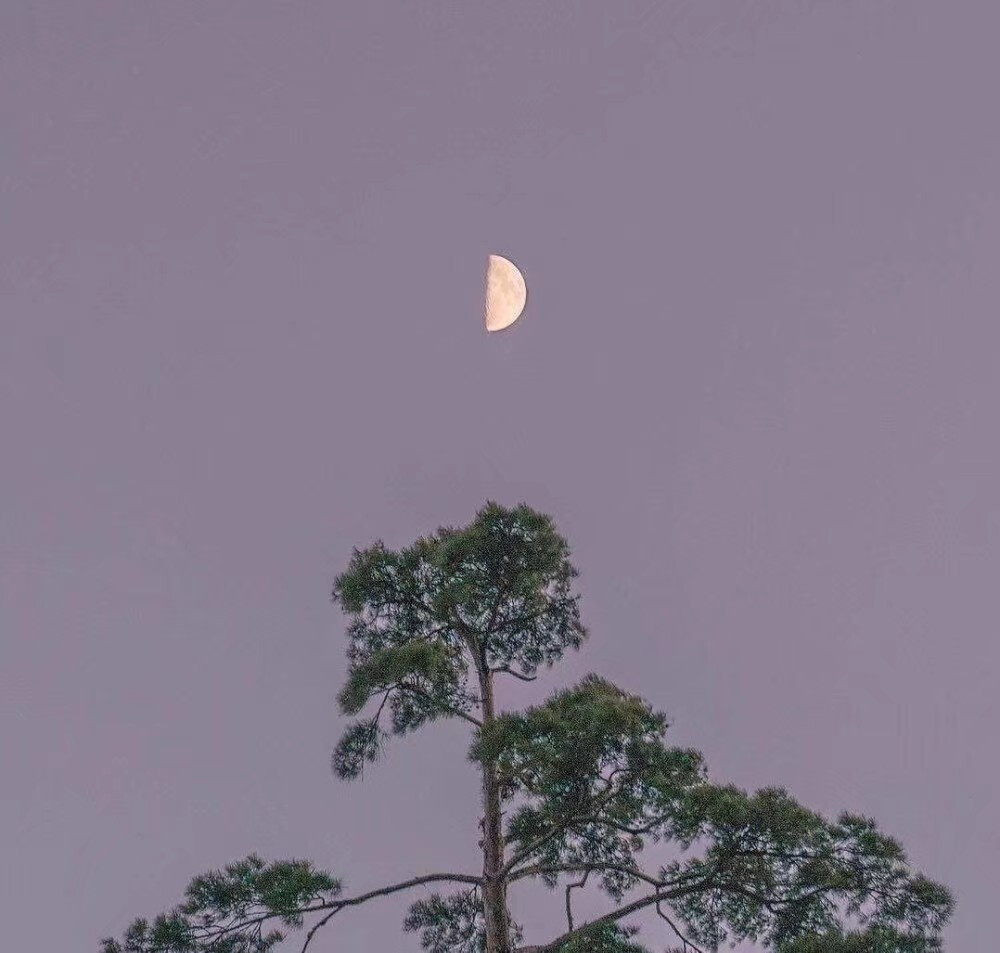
column 572, row 789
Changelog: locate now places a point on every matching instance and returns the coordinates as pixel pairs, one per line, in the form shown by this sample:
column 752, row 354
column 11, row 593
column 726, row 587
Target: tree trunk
column 494, row 886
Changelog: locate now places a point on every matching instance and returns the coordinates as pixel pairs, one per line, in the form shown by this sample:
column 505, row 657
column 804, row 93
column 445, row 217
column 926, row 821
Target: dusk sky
column 242, row 248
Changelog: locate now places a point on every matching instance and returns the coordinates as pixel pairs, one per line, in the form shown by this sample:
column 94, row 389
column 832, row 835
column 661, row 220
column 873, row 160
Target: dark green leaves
column 871, row 940
column 168, row 932
column 227, row 911
column 425, row 674
column 448, row 924
column 594, row 783
column 581, row 784
column 452, row 608
column 427, row 662
column 573, row 734
column 500, row 585
column 779, row 873
column 360, row 743
column 594, row 778
column 603, row 938
column 508, row 579
column 281, row 887
column 451, row 924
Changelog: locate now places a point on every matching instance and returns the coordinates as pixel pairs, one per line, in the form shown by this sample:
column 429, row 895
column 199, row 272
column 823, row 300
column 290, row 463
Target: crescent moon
column 506, row 293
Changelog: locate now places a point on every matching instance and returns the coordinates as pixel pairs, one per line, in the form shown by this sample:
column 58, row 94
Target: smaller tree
column 572, row 789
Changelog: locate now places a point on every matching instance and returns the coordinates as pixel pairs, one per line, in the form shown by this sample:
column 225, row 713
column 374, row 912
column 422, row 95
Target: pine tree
column 572, row 789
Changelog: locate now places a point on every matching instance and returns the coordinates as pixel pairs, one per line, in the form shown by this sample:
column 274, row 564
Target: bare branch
column 582, row 882
column 596, row 867
column 680, row 936
column 405, row 885
column 335, row 906
column 612, row 917
column 316, row 926
column 509, row 671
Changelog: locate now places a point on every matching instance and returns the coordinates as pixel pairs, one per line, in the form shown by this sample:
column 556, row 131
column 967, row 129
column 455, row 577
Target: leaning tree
column 572, row 789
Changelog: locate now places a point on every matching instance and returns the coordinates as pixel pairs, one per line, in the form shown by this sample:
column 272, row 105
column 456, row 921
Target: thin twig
column 680, row 936
column 582, row 882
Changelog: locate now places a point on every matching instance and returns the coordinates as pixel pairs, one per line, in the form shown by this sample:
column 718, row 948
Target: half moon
column 506, row 293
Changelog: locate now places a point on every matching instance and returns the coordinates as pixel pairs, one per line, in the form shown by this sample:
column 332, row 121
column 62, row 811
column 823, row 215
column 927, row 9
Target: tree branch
column 335, row 906
column 595, row 867
column 582, row 882
column 509, row 671
column 553, row 945
column 444, row 706
column 680, row 936
column 559, row 828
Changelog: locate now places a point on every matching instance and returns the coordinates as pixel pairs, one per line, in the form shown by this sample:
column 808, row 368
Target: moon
column 506, row 293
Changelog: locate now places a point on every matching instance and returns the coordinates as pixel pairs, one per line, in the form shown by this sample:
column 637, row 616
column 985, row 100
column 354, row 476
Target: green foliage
column 448, row 924
column 361, row 742
column 871, row 940
column 776, row 872
column 494, row 596
column 594, row 782
column 421, row 662
column 508, row 577
column 224, row 911
column 451, row 924
column 420, row 682
column 585, row 779
column 603, row 938
column 593, row 777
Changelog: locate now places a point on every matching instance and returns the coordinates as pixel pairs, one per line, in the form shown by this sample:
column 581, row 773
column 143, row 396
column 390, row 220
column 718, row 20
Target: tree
column 572, row 789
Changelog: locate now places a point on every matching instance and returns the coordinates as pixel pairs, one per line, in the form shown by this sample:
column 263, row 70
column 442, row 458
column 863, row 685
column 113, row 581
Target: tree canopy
column 573, row 789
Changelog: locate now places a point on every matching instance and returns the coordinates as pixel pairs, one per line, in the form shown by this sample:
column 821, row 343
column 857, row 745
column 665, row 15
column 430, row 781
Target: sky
column 242, row 248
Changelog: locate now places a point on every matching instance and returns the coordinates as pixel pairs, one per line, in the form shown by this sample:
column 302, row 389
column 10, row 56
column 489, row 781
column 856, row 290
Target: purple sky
column 241, row 262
